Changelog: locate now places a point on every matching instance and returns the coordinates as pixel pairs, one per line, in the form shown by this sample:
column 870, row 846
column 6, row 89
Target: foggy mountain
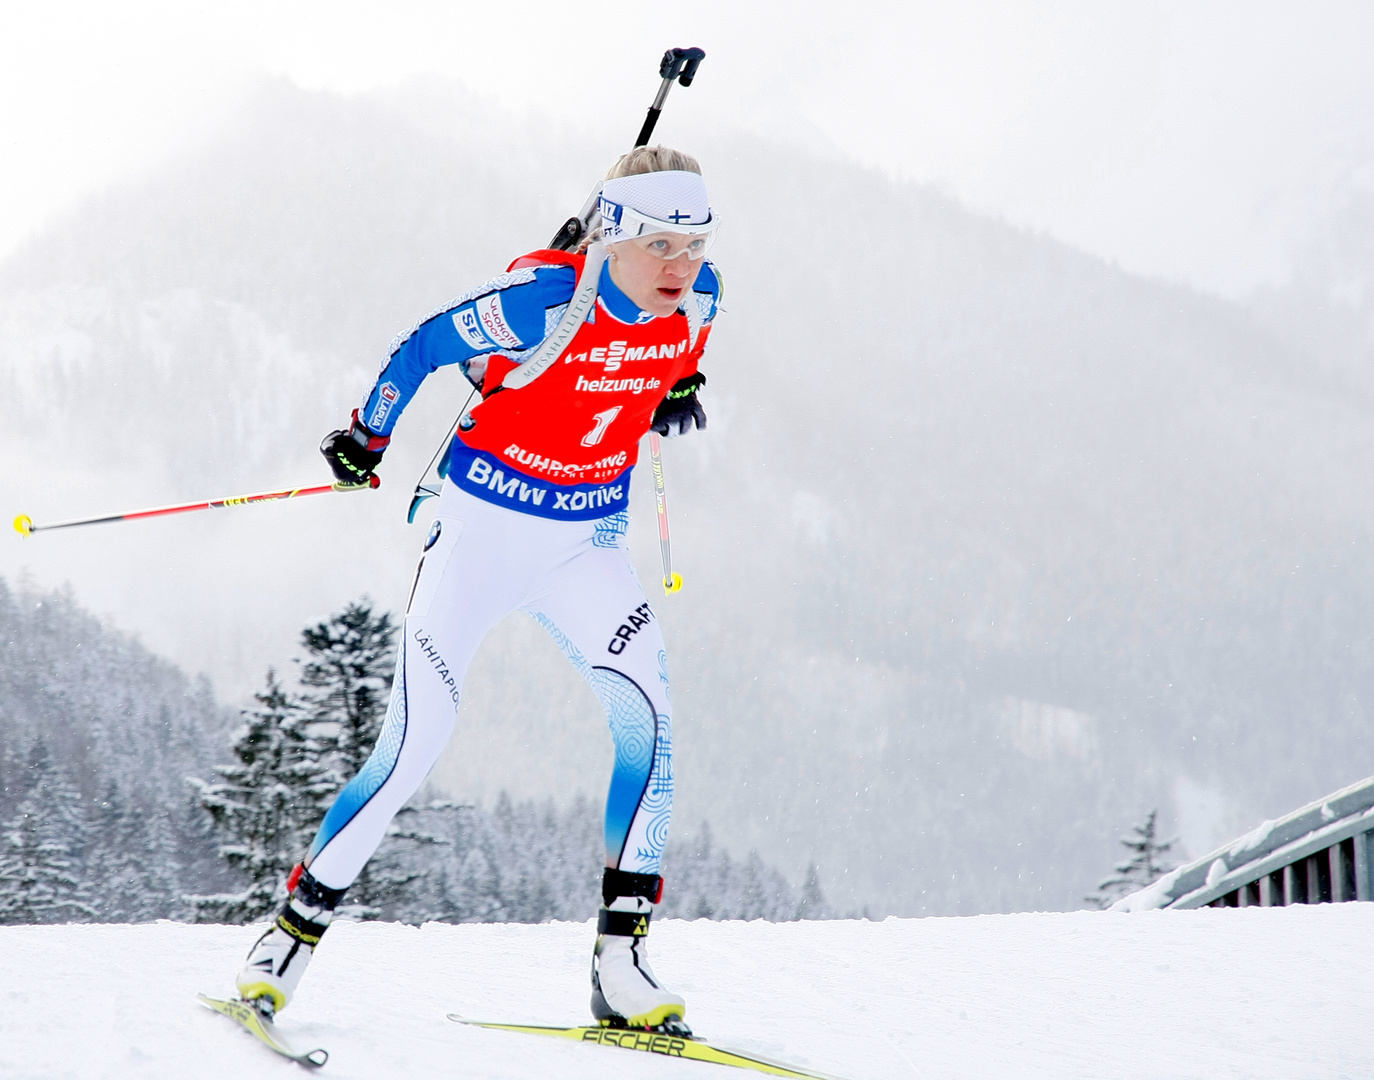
column 1325, row 310
column 89, row 714
column 989, row 547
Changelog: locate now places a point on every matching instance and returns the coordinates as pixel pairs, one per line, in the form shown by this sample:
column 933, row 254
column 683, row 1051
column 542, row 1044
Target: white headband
column 654, row 202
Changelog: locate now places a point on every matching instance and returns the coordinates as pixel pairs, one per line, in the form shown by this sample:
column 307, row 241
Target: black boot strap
column 313, row 894
column 623, row 923
column 617, row 883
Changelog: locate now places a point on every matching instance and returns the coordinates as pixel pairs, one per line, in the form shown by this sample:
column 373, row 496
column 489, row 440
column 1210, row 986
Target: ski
column 250, row 1019
column 653, row 1042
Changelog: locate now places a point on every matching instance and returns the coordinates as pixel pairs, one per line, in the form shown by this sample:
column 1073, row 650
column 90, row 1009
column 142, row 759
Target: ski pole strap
column 623, row 923
column 618, row 883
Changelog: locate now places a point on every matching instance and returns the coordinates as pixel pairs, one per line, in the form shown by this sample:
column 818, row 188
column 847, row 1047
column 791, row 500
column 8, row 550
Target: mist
column 990, row 546
column 1200, row 143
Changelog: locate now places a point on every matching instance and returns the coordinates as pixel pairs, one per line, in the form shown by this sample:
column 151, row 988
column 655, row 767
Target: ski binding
column 259, row 1023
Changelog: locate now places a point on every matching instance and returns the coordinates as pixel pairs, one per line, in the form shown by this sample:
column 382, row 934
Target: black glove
column 676, row 413
column 354, row 453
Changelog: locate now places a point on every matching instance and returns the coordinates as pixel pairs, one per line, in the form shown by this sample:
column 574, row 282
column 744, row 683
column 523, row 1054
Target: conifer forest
column 129, row 794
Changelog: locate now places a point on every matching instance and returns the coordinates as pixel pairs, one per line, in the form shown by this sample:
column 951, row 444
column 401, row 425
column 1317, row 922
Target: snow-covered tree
column 114, row 718
column 35, row 873
column 114, row 858
column 813, row 904
column 702, row 881
column 41, row 878
column 347, row 673
column 136, row 857
column 164, row 850
column 530, row 862
column 1146, row 863
column 269, row 803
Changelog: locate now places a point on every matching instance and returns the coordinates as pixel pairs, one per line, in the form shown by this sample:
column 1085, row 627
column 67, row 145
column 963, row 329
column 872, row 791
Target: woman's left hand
column 680, row 409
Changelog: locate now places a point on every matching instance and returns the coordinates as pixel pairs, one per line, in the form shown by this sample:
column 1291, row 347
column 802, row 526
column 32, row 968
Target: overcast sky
column 1195, row 141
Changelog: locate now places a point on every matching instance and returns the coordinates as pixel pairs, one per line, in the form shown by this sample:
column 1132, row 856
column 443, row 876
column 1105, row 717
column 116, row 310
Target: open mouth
column 671, row 294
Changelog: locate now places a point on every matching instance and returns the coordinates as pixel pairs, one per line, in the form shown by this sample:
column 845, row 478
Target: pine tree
column 1145, row 865
column 137, row 858
column 269, row 803
column 41, row 877
column 813, row 903
column 347, row 672
column 160, row 888
column 112, row 861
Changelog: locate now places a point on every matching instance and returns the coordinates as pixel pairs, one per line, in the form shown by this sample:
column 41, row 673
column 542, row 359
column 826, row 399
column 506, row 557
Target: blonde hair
column 647, row 159
column 643, row 159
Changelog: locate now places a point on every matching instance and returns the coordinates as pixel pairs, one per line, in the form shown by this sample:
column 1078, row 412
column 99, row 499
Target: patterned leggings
column 480, row 563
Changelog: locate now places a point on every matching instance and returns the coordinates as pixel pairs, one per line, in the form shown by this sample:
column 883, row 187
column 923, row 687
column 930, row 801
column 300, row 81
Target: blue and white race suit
column 486, row 557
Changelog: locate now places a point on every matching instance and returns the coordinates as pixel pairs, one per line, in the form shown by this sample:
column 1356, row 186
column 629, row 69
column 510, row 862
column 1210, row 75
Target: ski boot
column 624, row 990
column 280, row 957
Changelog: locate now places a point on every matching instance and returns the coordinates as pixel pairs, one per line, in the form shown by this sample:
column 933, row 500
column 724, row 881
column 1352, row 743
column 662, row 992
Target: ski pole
column 680, row 65
column 671, row 582
column 24, row 525
column 421, row 493
column 677, row 65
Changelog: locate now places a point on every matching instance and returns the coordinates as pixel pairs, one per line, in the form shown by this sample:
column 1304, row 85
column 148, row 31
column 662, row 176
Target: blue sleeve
column 510, row 314
column 707, row 290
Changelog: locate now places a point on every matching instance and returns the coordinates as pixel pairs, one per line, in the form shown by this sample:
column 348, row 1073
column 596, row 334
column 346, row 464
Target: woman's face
column 655, row 284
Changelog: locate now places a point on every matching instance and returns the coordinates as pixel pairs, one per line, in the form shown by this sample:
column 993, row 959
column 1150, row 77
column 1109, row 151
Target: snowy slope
column 1257, row 992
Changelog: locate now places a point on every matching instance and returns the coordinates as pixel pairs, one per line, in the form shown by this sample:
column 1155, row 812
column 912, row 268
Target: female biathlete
column 532, row 517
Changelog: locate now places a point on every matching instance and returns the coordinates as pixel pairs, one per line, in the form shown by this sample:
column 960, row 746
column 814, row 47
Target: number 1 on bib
column 603, row 421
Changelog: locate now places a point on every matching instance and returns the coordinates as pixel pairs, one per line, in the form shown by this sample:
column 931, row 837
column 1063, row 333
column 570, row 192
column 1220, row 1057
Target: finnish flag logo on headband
column 653, row 202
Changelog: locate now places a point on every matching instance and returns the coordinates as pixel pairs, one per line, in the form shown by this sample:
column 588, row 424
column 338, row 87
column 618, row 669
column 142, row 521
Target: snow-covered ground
column 1255, row 992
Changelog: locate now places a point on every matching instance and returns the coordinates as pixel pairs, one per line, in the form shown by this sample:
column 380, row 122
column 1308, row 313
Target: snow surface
column 1252, row 992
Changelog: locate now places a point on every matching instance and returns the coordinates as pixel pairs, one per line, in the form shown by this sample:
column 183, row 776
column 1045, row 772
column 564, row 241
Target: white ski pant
column 481, row 562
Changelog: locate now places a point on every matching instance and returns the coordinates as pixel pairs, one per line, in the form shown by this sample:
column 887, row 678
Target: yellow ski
column 250, row 1019
column 653, row 1042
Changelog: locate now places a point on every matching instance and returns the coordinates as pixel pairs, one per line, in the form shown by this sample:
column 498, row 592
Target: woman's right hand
column 353, row 454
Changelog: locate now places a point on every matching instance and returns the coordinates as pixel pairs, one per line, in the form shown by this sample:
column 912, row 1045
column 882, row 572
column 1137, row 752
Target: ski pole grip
column 692, row 58
column 681, row 64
